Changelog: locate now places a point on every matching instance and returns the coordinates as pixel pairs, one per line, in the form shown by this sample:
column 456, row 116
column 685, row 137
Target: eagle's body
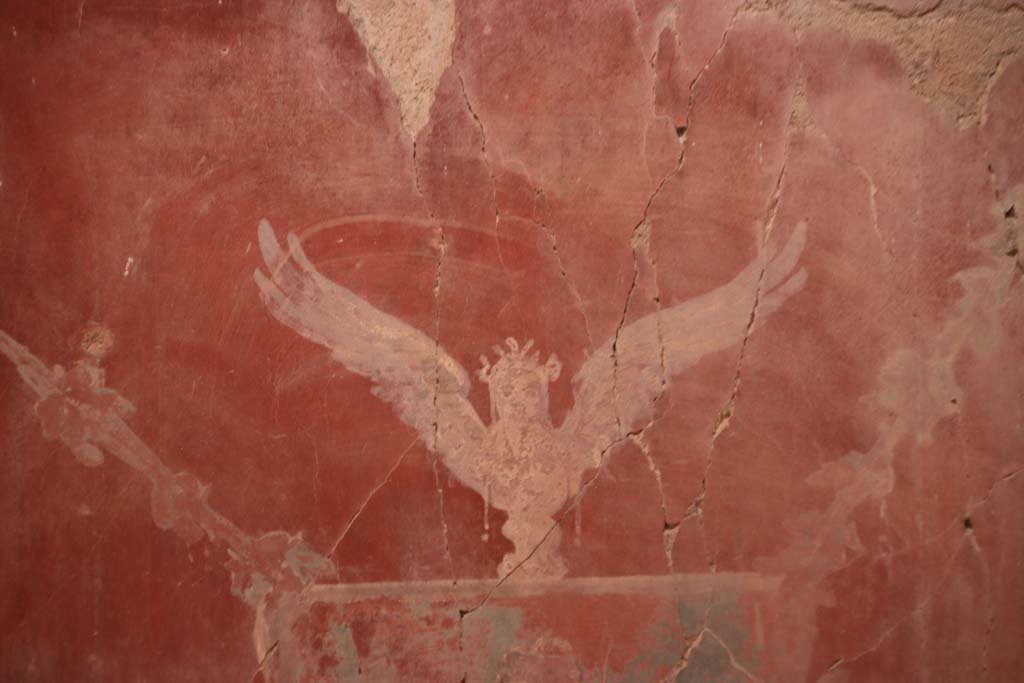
column 540, row 475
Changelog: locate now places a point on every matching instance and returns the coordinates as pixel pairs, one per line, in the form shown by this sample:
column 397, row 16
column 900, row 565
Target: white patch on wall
column 411, row 43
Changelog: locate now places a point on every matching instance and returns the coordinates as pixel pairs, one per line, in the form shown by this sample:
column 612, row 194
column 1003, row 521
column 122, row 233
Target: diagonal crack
column 689, row 112
column 264, row 660
column 843, row 661
column 725, row 415
column 622, row 323
column 373, row 492
column 869, row 181
column 573, row 291
column 577, row 499
column 705, row 631
column 1001, row 480
column 684, row 660
column 732, row 659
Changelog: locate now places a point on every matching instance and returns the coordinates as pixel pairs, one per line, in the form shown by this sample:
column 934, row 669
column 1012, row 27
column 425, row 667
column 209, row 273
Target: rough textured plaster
column 410, row 41
column 950, row 51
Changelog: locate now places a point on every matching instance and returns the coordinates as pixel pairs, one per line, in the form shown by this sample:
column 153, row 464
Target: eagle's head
column 519, row 383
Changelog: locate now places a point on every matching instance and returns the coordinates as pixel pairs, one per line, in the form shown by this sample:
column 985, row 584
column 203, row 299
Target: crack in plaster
column 431, row 456
column 263, row 660
column 1002, row 479
column 922, row 604
column 538, row 194
column 615, row 339
column 642, row 236
column 991, row 80
column 316, row 471
column 725, row 415
column 724, row 418
column 869, row 181
column 684, row 660
column 577, row 500
column 665, row 19
column 732, row 658
column 573, row 291
column 442, row 250
column 988, row 573
column 669, row 530
column 637, row 231
column 700, row 75
column 373, row 492
column 483, row 153
column 986, row 570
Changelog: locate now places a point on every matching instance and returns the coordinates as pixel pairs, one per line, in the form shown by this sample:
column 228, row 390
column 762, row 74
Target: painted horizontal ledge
column 639, row 584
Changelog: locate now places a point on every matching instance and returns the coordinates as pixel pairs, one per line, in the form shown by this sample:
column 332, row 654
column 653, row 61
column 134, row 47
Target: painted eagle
column 518, row 460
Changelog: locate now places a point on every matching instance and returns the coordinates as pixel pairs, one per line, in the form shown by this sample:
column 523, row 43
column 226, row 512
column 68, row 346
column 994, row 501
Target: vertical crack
column 724, row 417
column 637, row 240
column 437, row 390
column 641, row 241
column 539, row 195
column 968, row 526
column 989, row 589
column 696, row 507
column 438, row 273
column 644, row 229
column 618, row 332
column 483, row 152
column 669, row 530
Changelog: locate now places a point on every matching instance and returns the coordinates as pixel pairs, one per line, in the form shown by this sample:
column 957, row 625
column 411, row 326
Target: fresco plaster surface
column 508, row 341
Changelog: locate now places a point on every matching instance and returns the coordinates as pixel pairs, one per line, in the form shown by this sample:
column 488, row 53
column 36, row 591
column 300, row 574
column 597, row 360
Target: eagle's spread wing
column 407, row 367
column 615, row 389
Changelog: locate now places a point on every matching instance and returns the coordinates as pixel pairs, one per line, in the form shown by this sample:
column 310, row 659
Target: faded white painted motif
column 520, row 461
column 76, row 408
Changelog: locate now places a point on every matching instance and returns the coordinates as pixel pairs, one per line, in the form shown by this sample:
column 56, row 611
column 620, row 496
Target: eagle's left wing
column 425, row 385
column 615, row 389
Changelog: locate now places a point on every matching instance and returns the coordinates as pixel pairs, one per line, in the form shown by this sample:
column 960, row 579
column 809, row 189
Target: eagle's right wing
column 616, row 388
column 425, row 385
